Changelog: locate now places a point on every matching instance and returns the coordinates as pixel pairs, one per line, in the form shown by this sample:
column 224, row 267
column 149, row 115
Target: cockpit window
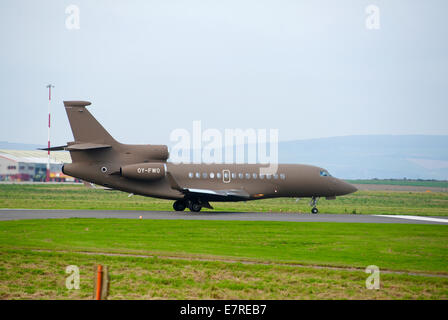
column 324, row 173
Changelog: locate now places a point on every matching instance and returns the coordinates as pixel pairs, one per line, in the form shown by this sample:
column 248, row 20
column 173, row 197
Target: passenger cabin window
column 268, row 176
column 233, row 175
column 254, row 175
column 198, row 175
column 212, row 175
column 282, row 176
column 275, row 176
column 218, row 175
column 261, row 176
column 190, row 175
column 204, row 175
column 240, row 175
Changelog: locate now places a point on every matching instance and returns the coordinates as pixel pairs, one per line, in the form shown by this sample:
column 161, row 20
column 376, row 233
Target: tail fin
column 84, row 126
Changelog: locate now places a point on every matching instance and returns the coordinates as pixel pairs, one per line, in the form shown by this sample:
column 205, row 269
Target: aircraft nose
column 345, row 188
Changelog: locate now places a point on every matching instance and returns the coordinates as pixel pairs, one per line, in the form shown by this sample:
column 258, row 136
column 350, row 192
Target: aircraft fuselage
column 144, row 170
column 291, row 180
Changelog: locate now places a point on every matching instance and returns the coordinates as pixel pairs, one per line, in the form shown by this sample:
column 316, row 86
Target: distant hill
column 373, row 156
column 19, row 146
column 359, row 157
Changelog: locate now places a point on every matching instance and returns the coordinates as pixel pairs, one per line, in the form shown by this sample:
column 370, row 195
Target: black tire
column 179, row 205
column 195, row 207
column 314, row 211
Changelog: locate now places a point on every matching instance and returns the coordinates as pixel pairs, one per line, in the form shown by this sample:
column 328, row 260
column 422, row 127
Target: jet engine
column 144, row 171
column 149, row 152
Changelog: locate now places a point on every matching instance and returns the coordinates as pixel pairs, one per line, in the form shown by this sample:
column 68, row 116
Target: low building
column 24, row 165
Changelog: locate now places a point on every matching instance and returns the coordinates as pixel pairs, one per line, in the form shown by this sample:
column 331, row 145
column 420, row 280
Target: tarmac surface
column 22, row 214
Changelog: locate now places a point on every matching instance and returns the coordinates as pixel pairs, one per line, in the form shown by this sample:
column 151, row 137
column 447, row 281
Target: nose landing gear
column 313, row 203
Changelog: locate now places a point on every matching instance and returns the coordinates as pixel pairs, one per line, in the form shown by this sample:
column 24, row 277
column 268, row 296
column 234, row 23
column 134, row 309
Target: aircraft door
column 226, row 176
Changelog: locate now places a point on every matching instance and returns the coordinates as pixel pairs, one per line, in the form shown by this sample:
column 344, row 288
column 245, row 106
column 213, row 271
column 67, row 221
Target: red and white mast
column 49, row 125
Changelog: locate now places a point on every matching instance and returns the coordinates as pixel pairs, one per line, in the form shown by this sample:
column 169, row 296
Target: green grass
column 390, row 246
column 361, row 202
column 41, row 275
column 27, row 272
column 399, row 182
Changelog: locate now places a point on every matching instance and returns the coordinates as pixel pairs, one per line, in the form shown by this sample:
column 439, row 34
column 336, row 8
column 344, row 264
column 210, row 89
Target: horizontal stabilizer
column 87, row 146
column 78, row 146
column 59, row 148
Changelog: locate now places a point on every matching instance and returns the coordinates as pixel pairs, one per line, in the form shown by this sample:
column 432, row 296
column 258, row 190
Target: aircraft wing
column 226, row 193
column 88, row 185
column 208, row 194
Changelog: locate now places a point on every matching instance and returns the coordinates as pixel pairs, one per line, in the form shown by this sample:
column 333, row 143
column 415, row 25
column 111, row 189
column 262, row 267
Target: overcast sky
column 308, row 68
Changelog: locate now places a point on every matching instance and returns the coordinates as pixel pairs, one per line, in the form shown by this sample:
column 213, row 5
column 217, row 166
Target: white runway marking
column 414, row 218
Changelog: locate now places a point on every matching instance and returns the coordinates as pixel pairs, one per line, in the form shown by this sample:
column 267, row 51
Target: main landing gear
column 179, row 205
column 193, row 205
column 313, row 203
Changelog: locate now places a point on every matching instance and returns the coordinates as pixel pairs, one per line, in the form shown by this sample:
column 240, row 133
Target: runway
column 22, row 214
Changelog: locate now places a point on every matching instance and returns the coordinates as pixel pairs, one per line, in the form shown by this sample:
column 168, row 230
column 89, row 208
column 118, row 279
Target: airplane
column 144, row 170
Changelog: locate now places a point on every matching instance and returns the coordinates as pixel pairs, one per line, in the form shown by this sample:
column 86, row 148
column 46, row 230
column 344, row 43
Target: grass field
column 361, row 202
column 399, row 182
column 272, row 248
column 40, row 275
column 173, row 259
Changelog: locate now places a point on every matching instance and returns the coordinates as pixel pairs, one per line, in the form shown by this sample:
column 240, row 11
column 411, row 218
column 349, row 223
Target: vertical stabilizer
column 84, row 126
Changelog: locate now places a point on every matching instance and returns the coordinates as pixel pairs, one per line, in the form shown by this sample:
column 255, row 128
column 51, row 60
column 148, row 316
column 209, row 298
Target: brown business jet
column 144, row 170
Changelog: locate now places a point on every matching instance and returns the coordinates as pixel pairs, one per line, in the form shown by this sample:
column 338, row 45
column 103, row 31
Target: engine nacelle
column 144, row 171
column 150, row 152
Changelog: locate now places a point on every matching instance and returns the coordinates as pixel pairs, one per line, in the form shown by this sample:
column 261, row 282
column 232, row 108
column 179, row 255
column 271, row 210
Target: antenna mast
column 49, row 86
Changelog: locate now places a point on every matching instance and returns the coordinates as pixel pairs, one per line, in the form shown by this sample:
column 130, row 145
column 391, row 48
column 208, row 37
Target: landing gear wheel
column 313, row 204
column 195, row 207
column 179, row 205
